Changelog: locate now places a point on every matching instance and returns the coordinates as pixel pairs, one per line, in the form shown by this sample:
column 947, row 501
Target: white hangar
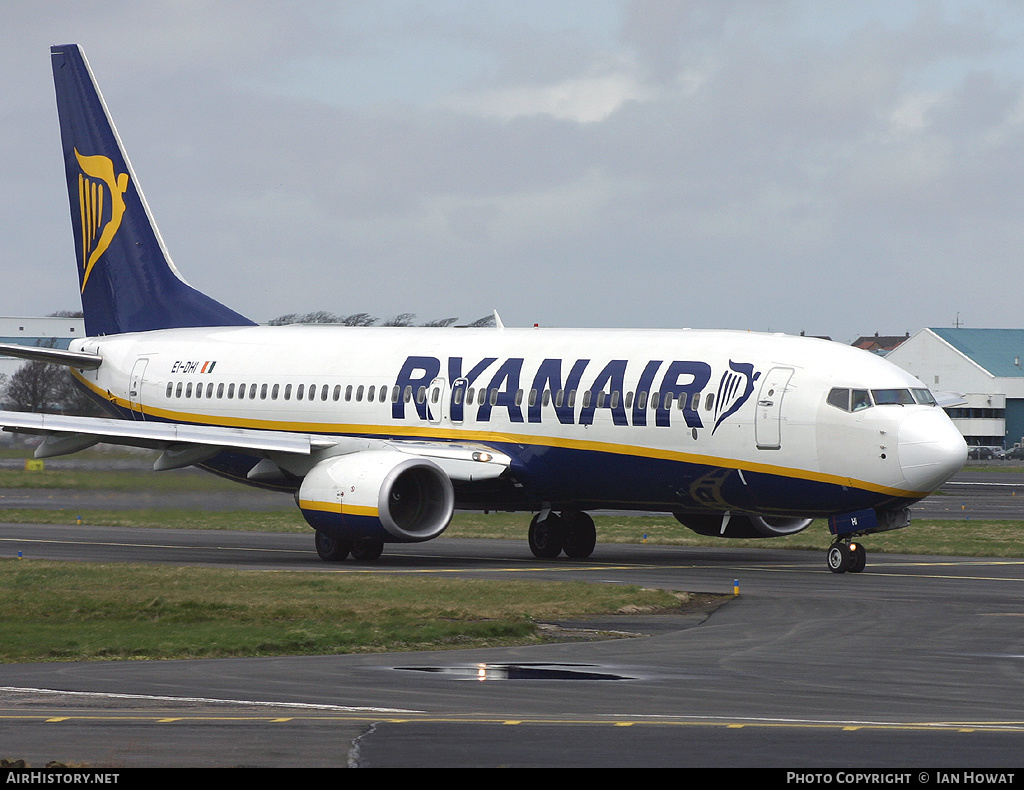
column 984, row 365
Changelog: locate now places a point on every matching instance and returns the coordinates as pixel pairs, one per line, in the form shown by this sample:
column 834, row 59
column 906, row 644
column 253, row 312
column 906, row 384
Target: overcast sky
column 840, row 168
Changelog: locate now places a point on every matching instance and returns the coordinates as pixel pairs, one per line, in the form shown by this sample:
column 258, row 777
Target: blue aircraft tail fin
column 128, row 281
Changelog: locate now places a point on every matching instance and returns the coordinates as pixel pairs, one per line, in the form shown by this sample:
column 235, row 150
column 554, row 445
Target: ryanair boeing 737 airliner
column 380, row 433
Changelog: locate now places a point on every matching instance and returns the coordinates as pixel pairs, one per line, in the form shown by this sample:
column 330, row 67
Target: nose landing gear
column 846, row 556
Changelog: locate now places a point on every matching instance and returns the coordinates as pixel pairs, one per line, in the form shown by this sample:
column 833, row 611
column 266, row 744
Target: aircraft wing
column 462, row 461
column 183, row 444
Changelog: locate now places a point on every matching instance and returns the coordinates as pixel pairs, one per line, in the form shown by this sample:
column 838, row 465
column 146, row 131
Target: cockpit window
column 892, row 397
column 924, row 397
column 840, row 398
column 849, row 400
column 856, row 400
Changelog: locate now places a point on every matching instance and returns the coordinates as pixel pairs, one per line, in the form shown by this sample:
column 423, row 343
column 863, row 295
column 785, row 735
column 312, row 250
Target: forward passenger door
column 768, row 420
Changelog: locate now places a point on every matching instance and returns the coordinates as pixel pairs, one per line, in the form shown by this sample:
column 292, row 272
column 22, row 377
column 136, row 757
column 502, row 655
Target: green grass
column 968, row 537
column 235, row 520
column 127, row 480
column 90, row 611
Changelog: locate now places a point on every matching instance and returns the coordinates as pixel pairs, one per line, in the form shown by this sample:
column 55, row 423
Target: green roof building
column 986, row 366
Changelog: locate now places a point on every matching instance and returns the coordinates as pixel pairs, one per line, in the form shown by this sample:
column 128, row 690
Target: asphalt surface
column 917, row 663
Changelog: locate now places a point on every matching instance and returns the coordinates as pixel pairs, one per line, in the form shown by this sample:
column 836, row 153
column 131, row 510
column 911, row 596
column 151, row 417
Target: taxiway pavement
column 917, row 662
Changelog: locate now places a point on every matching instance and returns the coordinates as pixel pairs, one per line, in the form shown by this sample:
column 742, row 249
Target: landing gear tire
column 580, row 535
column 840, row 558
column 367, row 549
column 547, row 537
column 331, row 549
column 859, row 557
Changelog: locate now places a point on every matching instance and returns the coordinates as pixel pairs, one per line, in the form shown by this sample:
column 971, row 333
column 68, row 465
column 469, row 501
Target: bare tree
column 365, row 319
column 487, row 320
column 72, row 399
column 33, row 387
column 359, row 319
column 45, row 387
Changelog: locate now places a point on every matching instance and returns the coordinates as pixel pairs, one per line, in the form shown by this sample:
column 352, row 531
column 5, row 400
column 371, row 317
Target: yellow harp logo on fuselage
column 96, row 181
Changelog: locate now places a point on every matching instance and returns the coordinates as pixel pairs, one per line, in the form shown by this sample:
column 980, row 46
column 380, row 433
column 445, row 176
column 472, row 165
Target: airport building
column 880, row 344
column 52, row 331
column 986, row 366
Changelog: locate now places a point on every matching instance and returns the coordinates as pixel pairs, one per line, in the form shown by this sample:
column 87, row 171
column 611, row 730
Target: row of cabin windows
column 567, row 398
column 374, row 394
column 251, row 391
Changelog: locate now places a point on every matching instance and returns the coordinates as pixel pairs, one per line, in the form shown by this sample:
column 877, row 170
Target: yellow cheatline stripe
column 435, row 432
column 338, row 507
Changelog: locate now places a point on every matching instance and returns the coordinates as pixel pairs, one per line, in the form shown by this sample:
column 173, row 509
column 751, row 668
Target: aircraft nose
column 931, row 449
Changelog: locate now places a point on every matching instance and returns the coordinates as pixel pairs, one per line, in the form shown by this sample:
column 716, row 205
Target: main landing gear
column 332, row 549
column 846, row 555
column 571, row 532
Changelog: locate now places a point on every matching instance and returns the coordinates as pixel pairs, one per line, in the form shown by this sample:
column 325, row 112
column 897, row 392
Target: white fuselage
column 705, row 400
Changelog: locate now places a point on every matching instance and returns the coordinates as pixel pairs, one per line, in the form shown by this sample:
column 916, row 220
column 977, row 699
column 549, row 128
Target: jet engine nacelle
column 382, row 494
column 742, row 526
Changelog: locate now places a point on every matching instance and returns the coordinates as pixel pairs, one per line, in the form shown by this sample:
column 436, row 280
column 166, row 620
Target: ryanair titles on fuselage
column 497, row 385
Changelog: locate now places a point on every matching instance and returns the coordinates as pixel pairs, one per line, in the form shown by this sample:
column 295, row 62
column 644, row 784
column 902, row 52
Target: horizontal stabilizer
column 58, row 356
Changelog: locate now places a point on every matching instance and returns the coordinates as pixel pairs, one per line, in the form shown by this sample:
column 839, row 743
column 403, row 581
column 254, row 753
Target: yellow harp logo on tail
column 96, row 182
